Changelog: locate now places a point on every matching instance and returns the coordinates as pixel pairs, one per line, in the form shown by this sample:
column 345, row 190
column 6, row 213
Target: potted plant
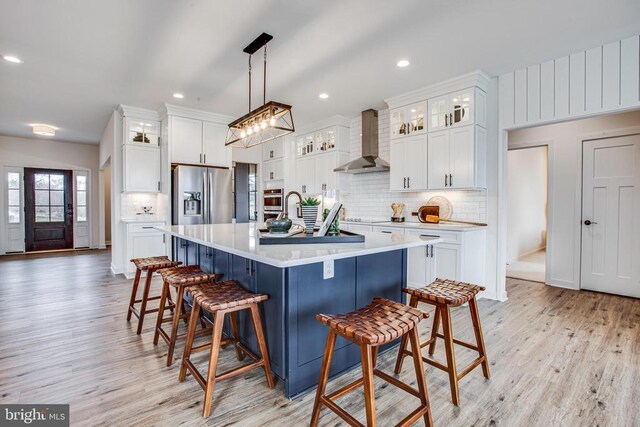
column 309, row 213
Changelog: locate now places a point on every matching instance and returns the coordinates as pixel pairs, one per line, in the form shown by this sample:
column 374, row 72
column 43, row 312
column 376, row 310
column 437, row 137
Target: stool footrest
column 239, row 370
column 471, row 367
column 457, row 341
column 328, row 399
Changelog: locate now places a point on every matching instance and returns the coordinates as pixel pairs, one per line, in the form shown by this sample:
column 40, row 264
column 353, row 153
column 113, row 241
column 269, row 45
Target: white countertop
column 445, row 226
column 241, row 239
column 143, row 218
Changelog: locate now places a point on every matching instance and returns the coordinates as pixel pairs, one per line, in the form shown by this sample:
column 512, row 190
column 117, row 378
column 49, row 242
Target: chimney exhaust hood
column 369, row 161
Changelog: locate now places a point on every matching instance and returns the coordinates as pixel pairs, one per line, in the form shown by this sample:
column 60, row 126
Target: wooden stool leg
column 324, row 376
column 188, row 345
column 374, row 356
column 434, row 330
column 163, row 300
column 413, row 302
column 236, row 335
column 262, row 344
column 218, row 321
column 174, row 326
column 134, row 291
column 420, row 378
column 477, row 329
column 445, row 313
column 145, row 297
column 367, row 376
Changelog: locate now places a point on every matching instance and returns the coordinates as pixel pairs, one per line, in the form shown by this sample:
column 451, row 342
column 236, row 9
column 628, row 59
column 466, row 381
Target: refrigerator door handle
column 205, row 198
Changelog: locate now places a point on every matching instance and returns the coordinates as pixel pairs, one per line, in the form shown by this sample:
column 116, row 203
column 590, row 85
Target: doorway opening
column 48, row 203
column 528, row 171
column 106, row 175
column 245, row 199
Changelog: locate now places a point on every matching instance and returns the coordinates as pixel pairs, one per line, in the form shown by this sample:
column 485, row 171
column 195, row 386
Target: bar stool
column 225, row 297
column 150, row 265
column 444, row 294
column 179, row 278
column 375, row 324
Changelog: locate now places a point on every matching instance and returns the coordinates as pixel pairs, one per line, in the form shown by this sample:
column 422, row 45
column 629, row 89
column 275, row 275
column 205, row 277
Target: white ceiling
column 82, row 58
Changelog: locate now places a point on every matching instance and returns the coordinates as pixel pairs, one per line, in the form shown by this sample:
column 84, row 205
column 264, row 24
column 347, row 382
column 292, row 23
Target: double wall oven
column 273, row 202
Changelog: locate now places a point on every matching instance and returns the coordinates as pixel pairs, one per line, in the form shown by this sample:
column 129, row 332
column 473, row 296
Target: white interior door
column 14, row 205
column 81, row 209
column 611, row 216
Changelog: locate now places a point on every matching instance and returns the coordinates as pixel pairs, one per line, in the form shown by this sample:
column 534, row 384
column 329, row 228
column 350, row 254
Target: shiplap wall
column 603, row 79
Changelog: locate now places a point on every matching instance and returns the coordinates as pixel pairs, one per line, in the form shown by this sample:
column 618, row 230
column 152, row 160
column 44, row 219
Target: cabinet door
column 214, row 152
column 398, row 172
column 438, row 160
column 144, row 245
column 415, row 162
column 461, row 106
column 438, row 113
column 417, row 114
column 270, row 150
column 399, row 122
column 141, row 169
column 325, row 178
column 448, row 261
column 417, row 260
column 305, row 175
column 462, row 157
column 186, row 140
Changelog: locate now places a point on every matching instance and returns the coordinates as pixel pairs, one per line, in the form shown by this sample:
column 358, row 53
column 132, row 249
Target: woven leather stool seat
column 224, row 295
column 186, row 275
column 154, row 263
column 377, row 323
column 444, row 291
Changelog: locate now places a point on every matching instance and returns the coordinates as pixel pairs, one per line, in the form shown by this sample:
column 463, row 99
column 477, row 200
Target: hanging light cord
column 264, row 80
column 249, row 83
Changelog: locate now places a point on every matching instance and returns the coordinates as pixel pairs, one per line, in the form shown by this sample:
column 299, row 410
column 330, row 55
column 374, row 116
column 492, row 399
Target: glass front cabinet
column 143, row 132
column 409, row 120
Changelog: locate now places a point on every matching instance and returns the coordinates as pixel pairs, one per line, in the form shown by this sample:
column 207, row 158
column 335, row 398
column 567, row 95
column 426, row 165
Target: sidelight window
column 13, row 204
column 81, row 198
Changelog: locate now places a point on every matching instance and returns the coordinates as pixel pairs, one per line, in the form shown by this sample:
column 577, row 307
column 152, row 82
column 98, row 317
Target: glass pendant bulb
column 256, row 128
column 243, row 134
column 249, row 131
column 272, row 121
column 263, row 124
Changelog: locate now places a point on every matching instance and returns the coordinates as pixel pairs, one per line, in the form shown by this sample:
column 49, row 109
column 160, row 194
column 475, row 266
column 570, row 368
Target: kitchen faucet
column 285, row 214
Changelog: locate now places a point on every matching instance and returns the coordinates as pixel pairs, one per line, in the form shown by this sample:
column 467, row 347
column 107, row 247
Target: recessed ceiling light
column 14, row 59
column 323, row 95
column 44, row 130
column 178, row 95
column 403, row 63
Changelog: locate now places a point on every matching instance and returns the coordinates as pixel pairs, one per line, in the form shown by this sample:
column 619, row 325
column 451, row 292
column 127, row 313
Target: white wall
column 46, row 153
column 527, row 201
column 565, row 186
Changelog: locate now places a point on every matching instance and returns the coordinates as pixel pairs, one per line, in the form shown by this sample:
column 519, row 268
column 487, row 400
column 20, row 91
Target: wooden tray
column 303, row 239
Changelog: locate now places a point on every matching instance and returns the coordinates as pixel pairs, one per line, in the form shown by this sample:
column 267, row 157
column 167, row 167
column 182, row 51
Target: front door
column 611, row 216
column 48, row 209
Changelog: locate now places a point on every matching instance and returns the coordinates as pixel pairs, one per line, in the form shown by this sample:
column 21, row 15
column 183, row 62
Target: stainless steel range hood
column 369, row 161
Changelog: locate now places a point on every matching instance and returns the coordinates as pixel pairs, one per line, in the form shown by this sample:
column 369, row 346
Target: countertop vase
column 309, row 216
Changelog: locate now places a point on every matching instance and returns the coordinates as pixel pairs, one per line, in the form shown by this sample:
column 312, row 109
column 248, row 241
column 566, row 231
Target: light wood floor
column 558, row 357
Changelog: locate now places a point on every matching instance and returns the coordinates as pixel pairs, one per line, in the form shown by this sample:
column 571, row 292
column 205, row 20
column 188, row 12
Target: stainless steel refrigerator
column 201, row 195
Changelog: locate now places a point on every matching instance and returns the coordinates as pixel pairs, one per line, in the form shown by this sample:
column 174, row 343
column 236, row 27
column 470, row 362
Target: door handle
column 450, row 180
column 588, row 222
column 446, row 180
column 200, row 157
column 204, row 156
column 404, row 185
column 408, row 182
column 450, row 119
column 446, row 121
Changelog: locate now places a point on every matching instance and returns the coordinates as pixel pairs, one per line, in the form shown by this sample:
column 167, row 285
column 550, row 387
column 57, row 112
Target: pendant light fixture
column 270, row 121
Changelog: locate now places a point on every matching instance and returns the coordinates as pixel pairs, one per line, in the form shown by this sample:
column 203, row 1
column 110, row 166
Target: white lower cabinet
column 460, row 256
column 141, row 169
column 142, row 241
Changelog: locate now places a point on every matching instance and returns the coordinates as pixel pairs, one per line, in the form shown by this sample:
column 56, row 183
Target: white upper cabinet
column 457, row 158
column 141, row 169
column 459, row 108
column 273, row 170
column 408, row 164
column 306, row 175
column 198, row 142
column 334, row 138
column 186, row 140
column 273, row 150
column 409, row 120
column 140, row 131
column 214, row 152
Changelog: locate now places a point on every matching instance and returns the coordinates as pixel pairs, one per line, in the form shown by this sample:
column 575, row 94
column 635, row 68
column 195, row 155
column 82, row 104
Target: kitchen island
column 294, row 278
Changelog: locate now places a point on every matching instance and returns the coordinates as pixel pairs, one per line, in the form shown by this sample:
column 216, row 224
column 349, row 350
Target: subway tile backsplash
column 369, row 196
column 131, row 204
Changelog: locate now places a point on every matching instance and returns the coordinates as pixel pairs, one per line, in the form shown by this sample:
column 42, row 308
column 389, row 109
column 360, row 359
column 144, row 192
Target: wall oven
column 273, row 200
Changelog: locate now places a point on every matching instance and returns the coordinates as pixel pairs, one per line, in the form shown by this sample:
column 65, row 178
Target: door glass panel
column 42, row 213
column 82, row 198
column 57, row 214
column 42, row 181
column 461, row 104
column 398, row 122
column 13, row 179
column 14, row 215
column 438, row 112
column 417, row 118
column 42, row 197
column 57, row 198
column 82, row 213
column 57, row 182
